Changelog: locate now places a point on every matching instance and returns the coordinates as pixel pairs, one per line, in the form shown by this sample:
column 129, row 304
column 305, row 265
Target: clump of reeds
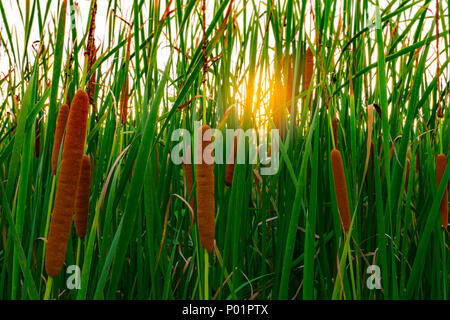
column 71, row 161
column 340, row 187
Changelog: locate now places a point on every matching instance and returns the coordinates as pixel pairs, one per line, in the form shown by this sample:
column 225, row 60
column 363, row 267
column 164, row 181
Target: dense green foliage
column 277, row 236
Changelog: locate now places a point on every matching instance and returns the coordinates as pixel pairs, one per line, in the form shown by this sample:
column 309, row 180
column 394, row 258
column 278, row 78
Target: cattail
column 309, row 67
column 91, row 85
column 441, row 164
column 335, row 124
column 229, row 171
column 288, row 76
column 205, row 194
column 124, row 101
column 341, row 189
column 91, row 55
column 71, row 161
column 125, row 89
column 67, row 74
column 276, row 102
column 59, row 132
column 82, row 198
column 440, row 114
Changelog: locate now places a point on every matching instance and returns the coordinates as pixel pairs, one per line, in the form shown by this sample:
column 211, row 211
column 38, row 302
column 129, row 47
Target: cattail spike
column 335, row 124
column 340, row 186
column 71, row 161
column 229, row 171
column 309, row 68
column 82, row 198
column 124, row 101
column 205, row 194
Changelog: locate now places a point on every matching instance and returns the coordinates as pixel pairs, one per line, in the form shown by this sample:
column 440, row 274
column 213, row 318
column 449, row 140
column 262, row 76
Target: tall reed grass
column 344, row 198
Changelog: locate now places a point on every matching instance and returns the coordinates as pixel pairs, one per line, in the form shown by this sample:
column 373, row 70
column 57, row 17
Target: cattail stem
column 78, row 251
column 48, row 288
column 206, row 275
column 49, row 213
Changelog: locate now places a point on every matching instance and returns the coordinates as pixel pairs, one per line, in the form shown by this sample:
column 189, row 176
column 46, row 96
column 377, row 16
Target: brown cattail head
column 125, row 87
column 82, row 198
column 309, row 68
column 63, row 114
column 340, row 186
column 441, row 164
column 276, row 103
column 124, row 101
column 71, row 161
column 288, row 78
column 229, row 171
column 91, row 85
column 91, row 55
column 335, row 124
column 205, row 193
